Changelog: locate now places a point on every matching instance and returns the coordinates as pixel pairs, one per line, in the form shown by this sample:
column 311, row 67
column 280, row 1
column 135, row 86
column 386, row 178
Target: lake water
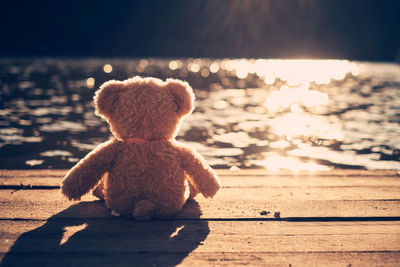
column 273, row 114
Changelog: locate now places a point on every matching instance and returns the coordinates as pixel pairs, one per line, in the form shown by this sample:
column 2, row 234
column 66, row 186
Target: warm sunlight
column 292, row 97
column 70, row 231
column 294, row 100
column 178, row 229
column 294, row 72
column 200, row 133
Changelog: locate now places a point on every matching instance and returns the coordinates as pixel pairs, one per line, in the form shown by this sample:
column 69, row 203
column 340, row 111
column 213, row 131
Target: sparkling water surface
column 273, row 114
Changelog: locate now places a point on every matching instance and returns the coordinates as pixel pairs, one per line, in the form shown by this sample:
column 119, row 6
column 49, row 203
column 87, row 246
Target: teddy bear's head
column 145, row 108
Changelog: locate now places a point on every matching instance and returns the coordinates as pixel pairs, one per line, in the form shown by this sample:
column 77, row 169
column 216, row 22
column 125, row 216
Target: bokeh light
column 173, row 65
column 90, row 82
column 107, row 68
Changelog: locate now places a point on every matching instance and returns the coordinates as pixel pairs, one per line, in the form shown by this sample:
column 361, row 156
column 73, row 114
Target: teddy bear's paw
column 210, row 191
column 143, row 210
column 70, row 193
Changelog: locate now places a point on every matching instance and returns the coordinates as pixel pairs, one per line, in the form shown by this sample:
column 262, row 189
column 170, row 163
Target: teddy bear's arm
column 202, row 176
column 88, row 171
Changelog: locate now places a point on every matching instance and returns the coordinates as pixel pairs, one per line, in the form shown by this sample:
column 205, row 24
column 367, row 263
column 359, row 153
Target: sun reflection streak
column 294, row 72
column 302, row 124
column 292, row 102
column 287, row 97
column 295, row 108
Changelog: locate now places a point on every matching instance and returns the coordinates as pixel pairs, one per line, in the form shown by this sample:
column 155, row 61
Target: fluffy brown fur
column 154, row 176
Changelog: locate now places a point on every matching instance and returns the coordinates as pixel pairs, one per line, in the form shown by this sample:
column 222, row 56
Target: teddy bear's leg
column 143, row 210
column 99, row 190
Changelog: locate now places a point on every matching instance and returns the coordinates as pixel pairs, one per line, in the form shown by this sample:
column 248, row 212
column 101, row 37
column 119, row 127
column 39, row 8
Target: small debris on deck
column 264, row 212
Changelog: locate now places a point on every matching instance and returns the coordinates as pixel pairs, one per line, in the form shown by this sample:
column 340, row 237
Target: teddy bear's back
column 150, row 170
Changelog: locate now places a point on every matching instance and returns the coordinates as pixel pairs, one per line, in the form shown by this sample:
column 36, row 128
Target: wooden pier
column 258, row 218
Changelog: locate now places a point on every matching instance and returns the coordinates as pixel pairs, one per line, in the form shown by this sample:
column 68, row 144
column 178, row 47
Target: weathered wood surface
column 326, row 218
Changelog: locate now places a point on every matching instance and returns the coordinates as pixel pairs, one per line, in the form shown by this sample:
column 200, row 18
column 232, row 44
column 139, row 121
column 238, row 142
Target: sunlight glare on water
column 294, row 72
column 294, row 98
column 250, row 113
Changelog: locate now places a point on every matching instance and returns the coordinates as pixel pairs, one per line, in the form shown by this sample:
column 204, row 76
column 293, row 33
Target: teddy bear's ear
column 106, row 96
column 183, row 95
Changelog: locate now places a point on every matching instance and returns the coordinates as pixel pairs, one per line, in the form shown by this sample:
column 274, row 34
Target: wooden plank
column 293, row 259
column 41, row 173
column 214, row 243
column 122, row 235
column 316, row 210
column 265, row 193
column 205, row 259
column 326, row 218
column 119, row 226
column 309, row 193
column 41, row 204
column 122, row 242
column 250, row 178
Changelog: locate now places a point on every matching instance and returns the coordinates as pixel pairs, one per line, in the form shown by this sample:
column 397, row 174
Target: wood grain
column 334, row 218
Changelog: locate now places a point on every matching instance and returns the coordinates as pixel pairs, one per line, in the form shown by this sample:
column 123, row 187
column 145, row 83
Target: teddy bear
column 142, row 171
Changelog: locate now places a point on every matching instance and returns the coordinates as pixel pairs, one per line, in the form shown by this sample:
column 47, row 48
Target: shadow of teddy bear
column 66, row 241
